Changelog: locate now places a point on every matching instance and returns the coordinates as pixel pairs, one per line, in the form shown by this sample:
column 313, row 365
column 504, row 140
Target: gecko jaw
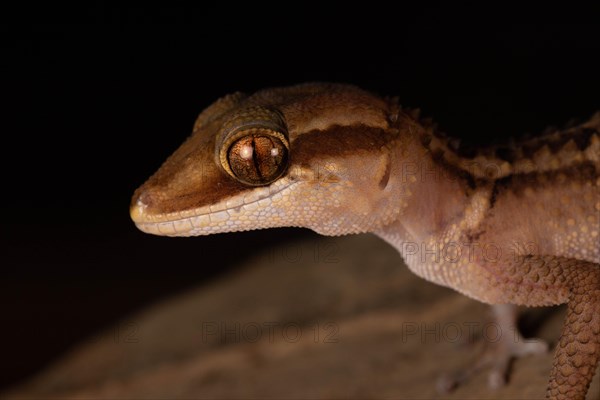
column 238, row 213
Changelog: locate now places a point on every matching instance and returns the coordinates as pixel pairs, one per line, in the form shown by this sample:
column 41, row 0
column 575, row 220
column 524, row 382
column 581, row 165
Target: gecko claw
column 497, row 356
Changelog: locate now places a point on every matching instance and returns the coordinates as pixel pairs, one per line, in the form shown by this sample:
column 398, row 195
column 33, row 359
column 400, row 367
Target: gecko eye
column 257, row 159
column 252, row 146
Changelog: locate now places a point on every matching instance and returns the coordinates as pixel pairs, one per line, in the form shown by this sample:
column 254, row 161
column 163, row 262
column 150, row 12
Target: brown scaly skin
column 516, row 224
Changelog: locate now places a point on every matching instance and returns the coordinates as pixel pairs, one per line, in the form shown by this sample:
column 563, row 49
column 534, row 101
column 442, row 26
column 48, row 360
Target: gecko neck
column 438, row 203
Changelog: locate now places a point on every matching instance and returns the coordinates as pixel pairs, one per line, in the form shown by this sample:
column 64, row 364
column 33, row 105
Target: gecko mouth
column 238, row 213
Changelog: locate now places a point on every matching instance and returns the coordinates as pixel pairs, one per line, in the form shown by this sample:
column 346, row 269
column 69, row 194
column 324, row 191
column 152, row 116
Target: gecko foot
column 496, row 355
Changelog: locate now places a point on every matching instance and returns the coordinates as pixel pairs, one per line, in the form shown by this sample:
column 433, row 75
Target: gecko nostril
column 145, row 199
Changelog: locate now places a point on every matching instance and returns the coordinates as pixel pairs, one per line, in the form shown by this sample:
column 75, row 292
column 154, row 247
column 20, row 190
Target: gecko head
column 316, row 155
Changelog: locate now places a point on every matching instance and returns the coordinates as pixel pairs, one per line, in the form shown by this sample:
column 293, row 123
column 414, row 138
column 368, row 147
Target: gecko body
column 514, row 224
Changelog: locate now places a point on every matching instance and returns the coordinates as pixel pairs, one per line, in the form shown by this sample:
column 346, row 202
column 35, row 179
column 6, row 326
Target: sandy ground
column 320, row 318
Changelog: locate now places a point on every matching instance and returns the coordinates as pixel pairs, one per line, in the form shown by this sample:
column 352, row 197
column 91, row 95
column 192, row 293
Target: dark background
column 96, row 97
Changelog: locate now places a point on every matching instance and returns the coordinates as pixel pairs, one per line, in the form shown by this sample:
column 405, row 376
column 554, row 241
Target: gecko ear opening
column 252, row 146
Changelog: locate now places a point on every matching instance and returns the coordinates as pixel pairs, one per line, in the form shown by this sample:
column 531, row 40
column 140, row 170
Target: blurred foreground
column 318, row 318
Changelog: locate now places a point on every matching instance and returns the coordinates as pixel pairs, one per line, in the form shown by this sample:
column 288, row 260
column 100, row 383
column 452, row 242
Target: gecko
column 513, row 224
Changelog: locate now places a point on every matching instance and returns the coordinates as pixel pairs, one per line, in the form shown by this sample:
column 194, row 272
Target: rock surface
column 319, row 318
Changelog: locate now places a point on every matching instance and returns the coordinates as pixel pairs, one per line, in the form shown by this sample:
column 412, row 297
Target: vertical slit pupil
column 255, row 160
